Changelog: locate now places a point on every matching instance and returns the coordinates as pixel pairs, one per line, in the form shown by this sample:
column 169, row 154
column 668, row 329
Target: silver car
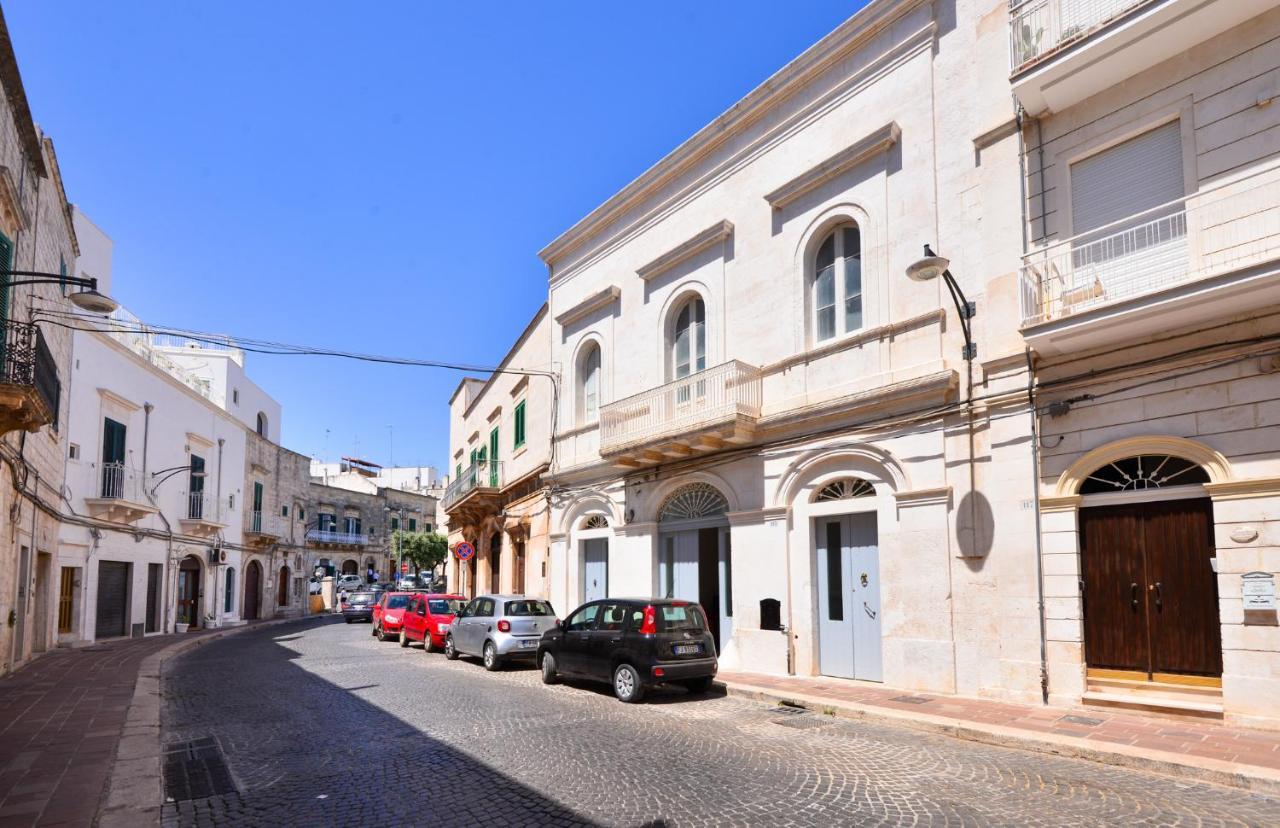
column 498, row 628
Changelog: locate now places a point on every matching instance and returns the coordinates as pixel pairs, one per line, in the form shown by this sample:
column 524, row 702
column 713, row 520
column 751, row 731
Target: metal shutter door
column 1128, row 179
column 113, row 590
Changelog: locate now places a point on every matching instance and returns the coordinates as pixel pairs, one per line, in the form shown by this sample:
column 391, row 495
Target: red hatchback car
column 388, row 614
column 427, row 619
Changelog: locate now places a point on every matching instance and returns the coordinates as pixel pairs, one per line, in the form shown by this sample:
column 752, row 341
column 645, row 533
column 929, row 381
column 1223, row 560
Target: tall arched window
column 589, row 385
column 262, row 424
column 837, row 284
column 689, row 339
column 230, row 597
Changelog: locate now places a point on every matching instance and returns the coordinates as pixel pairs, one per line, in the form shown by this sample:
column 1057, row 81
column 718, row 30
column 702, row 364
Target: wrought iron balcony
column 478, row 477
column 30, row 391
column 263, row 528
column 121, row 496
column 1194, row 251
column 691, row 415
column 326, row 536
column 1038, row 27
column 203, row 516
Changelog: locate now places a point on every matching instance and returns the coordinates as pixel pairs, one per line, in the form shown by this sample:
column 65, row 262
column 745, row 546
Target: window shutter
column 1128, row 179
column 6, row 264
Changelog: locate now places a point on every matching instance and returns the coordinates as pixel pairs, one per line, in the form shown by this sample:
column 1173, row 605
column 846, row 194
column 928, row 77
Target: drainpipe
column 1035, row 493
column 217, row 605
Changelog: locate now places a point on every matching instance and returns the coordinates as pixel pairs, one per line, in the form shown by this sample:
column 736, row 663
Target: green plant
column 425, row 550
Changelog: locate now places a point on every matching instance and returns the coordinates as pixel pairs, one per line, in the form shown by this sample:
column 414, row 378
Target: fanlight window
column 595, row 522
column 1146, row 471
column 697, row 500
column 846, row 488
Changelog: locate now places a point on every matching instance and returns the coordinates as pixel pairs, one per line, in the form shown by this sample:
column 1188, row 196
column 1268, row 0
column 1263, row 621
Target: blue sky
column 380, row 181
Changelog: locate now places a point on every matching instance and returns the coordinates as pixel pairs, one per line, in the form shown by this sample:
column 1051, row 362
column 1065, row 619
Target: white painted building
column 760, row 411
column 368, row 477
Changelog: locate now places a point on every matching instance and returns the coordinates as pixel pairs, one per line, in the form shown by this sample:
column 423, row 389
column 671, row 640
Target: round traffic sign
column 404, row 567
column 464, row 551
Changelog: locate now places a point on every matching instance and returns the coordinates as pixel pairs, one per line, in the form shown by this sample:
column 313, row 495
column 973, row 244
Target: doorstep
column 1190, row 748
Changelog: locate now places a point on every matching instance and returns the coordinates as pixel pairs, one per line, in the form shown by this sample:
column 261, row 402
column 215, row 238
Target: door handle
column 615, row 640
column 1133, row 590
column 1159, row 597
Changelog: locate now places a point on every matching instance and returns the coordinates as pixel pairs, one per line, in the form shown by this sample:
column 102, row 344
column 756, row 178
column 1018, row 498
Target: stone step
column 1158, row 689
column 1202, row 708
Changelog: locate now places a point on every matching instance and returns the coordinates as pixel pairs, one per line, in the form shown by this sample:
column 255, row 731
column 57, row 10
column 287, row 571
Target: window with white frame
column 589, row 385
column 837, row 284
column 689, row 339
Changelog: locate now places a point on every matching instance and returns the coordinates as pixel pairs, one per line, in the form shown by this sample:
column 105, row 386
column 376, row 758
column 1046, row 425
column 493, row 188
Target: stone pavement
column 1200, row 749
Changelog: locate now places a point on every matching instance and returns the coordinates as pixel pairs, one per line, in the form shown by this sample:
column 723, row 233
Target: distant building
column 366, row 476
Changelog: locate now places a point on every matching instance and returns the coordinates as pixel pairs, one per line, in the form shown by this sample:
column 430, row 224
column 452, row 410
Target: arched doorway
column 592, row 535
column 495, row 562
column 252, row 591
column 282, row 588
column 694, row 558
column 1148, row 589
column 350, row 567
column 847, row 583
column 189, row 592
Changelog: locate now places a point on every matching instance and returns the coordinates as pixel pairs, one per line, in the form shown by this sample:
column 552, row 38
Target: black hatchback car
column 359, row 606
column 634, row 644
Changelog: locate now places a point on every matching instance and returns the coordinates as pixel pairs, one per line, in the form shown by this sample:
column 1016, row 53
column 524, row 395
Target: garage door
column 113, row 594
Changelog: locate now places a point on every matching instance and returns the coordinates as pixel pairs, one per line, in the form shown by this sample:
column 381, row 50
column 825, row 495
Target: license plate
column 687, row 649
column 527, row 644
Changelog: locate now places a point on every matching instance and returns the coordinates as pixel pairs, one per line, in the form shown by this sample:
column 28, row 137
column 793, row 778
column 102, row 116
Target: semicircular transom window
column 1145, row 471
column 846, row 488
column 697, row 500
column 595, row 522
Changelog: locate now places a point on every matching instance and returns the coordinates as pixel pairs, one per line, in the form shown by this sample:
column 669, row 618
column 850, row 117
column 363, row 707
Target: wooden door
column 1114, row 588
column 709, row 580
column 252, row 590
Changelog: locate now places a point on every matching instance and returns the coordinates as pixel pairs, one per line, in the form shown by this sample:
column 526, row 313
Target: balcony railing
column 1037, row 27
column 486, row 475
column 345, row 538
column 703, row 399
column 119, row 482
column 27, row 362
column 201, row 506
column 1211, row 233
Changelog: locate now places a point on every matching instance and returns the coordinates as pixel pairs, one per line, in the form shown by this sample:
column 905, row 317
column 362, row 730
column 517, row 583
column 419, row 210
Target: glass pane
column 826, row 323
column 826, row 253
column 853, row 313
column 701, row 344
column 682, row 352
column 824, row 302
column 835, row 580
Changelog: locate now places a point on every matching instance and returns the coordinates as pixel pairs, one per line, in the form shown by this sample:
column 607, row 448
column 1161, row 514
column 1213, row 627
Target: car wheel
column 374, row 631
column 348, row 620
column 549, row 675
column 404, row 639
column 491, row 662
column 626, row 684
column 428, row 646
column 698, row 686
column 450, row 651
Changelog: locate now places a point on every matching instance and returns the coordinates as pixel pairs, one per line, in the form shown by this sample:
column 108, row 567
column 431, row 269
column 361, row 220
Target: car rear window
column 444, row 606
column 529, row 608
column 362, row 598
column 398, row 602
column 677, row 617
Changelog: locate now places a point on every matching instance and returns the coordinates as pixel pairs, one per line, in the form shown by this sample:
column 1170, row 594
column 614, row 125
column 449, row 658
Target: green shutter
column 457, row 472
column 413, row 524
column 493, row 444
column 62, row 275
column 257, row 497
column 6, row 263
column 519, row 424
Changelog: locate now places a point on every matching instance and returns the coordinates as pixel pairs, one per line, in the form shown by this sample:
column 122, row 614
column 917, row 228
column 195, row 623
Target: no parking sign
column 464, row 551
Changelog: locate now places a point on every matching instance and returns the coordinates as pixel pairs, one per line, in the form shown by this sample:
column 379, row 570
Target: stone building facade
column 351, row 530
column 35, row 234
column 278, row 488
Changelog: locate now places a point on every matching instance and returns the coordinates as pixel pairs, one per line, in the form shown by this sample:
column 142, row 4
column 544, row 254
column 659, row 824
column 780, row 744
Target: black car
column 634, row 644
column 359, row 606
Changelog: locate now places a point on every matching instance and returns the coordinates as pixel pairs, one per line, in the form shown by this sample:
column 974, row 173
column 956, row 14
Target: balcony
column 263, row 529
column 29, row 388
column 475, row 491
column 1212, row 255
column 326, row 537
column 693, row 415
column 122, row 498
column 1064, row 51
column 202, row 517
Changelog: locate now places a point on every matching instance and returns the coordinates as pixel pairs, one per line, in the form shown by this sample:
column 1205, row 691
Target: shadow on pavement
column 302, row 750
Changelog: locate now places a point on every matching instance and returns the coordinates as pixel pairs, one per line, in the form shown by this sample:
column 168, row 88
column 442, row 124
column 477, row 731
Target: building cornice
column 124, row 402
column 857, row 31
column 715, row 234
column 846, row 159
column 600, row 299
column 932, row 317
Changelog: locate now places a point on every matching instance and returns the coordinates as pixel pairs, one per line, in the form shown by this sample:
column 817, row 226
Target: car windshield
column 528, row 608
column 362, row 598
column 398, row 602
column 677, row 617
column 444, row 606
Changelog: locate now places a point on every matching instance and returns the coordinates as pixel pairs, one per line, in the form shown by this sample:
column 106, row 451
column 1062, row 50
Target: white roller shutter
column 1142, row 173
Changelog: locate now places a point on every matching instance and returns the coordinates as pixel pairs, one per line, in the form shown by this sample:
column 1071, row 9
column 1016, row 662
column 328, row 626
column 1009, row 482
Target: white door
column 726, row 589
column 595, row 569
column 678, row 565
column 849, row 597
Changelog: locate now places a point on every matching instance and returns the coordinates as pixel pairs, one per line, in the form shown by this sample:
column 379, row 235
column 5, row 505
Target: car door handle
column 615, row 640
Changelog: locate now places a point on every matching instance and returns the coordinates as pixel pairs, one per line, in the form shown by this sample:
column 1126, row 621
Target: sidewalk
column 1204, row 750
column 62, row 718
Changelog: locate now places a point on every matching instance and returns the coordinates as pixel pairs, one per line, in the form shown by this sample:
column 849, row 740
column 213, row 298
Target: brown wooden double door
column 1149, row 590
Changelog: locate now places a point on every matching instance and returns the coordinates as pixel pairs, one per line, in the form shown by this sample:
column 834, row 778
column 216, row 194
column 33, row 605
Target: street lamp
column 171, row 472
column 88, row 298
column 930, row 267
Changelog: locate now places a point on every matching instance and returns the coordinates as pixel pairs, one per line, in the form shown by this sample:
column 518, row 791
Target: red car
column 427, row 619
column 388, row 614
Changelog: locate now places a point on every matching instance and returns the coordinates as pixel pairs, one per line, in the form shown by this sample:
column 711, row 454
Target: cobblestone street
column 318, row 723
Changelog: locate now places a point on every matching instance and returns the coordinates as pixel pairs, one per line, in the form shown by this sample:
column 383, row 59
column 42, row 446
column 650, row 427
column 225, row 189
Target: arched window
column 846, row 488
column 1146, row 471
column 595, row 522
column 697, row 500
column 262, row 424
column 837, row 284
column 689, row 339
column 589, row 385
column 229, row 601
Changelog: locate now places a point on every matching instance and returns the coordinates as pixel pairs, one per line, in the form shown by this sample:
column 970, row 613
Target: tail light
column 650, row 624
column 504, row 626
column 658, row 672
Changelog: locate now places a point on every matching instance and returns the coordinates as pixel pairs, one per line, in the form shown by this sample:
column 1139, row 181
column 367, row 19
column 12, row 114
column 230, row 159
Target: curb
column 135, row 790
column 1215, row 771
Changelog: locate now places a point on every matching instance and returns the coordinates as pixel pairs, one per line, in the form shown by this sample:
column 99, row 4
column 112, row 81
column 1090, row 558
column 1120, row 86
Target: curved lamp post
column 88, row 298
column 930, row 267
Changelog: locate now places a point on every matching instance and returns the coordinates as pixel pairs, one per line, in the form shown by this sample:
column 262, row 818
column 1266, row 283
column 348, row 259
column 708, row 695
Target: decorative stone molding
column 843, row 161
column 15, row 218
column 199, row 439
column 594, row 302
column 1243, row 489
column 1063, row 503
column 631, row 529
column 715, row 234
column 858, row 339
column 940, row 496
column 123, row 402
column 1214, row 464
column 755, row 517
